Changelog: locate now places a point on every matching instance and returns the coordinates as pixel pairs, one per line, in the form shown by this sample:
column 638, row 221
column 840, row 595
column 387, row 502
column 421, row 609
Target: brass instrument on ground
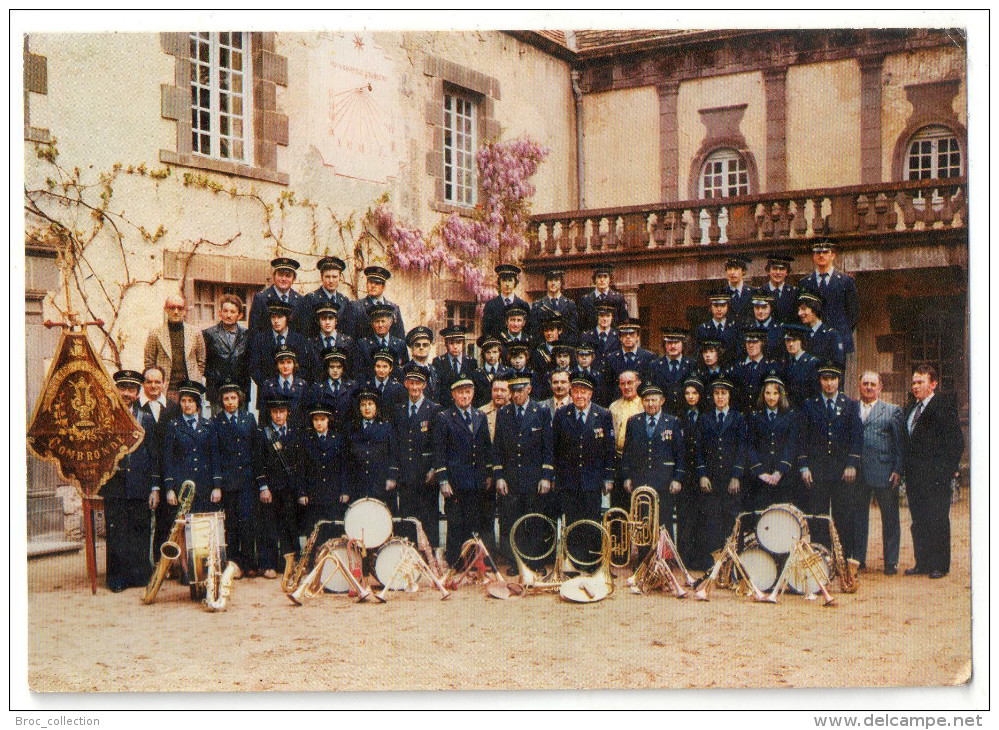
column 533, row 581
column 591, row 586
column 313, row 583
column 292, row 576
column 847, row 570
column 409, row 569
column 636, row 528
column 472, row 565
column 218, row 582
column 435, row 560
column 726, row 564
column 654, row 571
column 170, row 550
column 617, row 522
column 803, row 556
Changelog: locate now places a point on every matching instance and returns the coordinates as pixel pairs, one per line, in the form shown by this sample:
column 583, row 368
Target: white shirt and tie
column 918, row 411
column 865, row 410
column 156, row 406
column 415, row 407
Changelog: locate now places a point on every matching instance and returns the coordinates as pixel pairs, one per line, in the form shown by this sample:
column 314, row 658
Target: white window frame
column 932, row 138
column 459, row 119
column 220, row 146
column 727, row 163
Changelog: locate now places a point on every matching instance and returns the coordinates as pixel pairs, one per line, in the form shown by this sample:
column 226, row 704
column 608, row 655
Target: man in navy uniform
column 750, row 373
column 331, row 270
column 516, row 330
column 601, row 294
column 583, row 437
column 832, row 439
column 129, row 495
column 495, row 312
column 653, row 453
column 763, row 318
column 799, row 370
column 277, row 459
column 287, row 385
column 419, row 340
column 739, row 293
column 838, row 290
column 824, row 342
column 329, row 334
column 559, row 380
column 555, row 303
column 383, row 381
column 524, row 459
column 492, row 368
column 721, row 326
column 669, row 371
column 589, row 365
column 453, row 365
column 631, row 356
column 414, row 422
column 604, row 338
column 543, row 357
column 785, row 302
column 380, row 338
column 285, row 270
column 265, row 345
column 463, row 464
column 375, row 279
column 335, row 391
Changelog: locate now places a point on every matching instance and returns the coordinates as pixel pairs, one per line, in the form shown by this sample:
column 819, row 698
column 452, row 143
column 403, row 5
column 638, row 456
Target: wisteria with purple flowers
column 495, row 230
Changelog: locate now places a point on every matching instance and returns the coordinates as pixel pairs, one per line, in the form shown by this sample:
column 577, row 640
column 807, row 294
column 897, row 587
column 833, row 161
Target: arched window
column 724, row 174
column 933, row 153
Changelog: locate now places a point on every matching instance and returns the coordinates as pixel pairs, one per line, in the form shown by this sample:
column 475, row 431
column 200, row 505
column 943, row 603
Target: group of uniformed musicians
column 565, row 407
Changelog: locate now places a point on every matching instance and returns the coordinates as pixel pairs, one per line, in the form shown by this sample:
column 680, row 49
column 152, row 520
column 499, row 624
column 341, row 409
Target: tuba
column 644, row 517
column 532, row 580
column 617, row 522
column 592, row 586
column 170, row 550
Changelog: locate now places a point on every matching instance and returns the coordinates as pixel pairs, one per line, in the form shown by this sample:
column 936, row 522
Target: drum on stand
column 389, row 556
column 780, row 528
column 198, row 529
column 369, row 522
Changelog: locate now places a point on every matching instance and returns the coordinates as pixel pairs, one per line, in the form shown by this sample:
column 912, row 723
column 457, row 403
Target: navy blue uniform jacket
column 191, row 453
column 262, row 347
column 260, row 318
column 138, row 473
column 773, row 447
column 237, row 444
column 723, row 451
column 373, row 458
column 278, row 459
column 463, row 457
column 524, row 451
column 588, row 308
column 362, row 321
column 842, row 307
column 322, row 468
column 830, row 445
column 584, row 457
column 494, row 316
column 416, row 441
column 657, row 461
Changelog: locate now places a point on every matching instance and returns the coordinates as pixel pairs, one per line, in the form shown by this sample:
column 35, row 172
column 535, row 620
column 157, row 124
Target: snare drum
column 337, row 583
column 389, row 556
column 369, row 522
column 198, row 529
column 780, row 528
column 800, row 579
column 760, row 566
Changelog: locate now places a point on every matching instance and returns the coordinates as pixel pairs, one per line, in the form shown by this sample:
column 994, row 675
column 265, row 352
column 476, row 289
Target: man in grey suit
column 559, row 380
column 880, row 472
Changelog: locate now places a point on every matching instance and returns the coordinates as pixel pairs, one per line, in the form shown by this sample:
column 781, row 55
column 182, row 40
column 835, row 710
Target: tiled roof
column 595, row 40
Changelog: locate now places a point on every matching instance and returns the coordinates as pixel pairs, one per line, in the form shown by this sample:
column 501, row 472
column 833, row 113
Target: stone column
column 630, row 292
column 669, row 142
column 775, row 86
column 870, row 119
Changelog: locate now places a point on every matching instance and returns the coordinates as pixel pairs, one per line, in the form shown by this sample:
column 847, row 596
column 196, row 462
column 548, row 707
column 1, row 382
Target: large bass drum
column 780, row 528
column 337, row 583
column 389, row 556
column 760, row 566
column 369, row 522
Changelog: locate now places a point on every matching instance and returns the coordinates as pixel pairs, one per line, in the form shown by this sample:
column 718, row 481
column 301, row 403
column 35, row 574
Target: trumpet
column 410, row 567
column 313, row 583
column 655, row 571
column 471, row 565
column 434, row 560
column 726, row 563
column 170, row 550
column 803, row 556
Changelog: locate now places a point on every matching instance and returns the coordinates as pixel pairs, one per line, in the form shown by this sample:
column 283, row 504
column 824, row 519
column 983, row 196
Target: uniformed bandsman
column 721, row 327
column 494, row 314
column 602, row 294
column 420, row 340
column 265, row 344
column 517, row 354
column 749, row 374
column 591, row 366
column 380, row 338
column 463, row 460
column 236, row 430
column 516, row 326
column 720, row 467
column 838, row 291
column 414, row 423
column 524, row 459
column 604, row 338
column 764, row 319
column 631, row 356
column 329, row 335
column 453, row 365
column 711, row 367
column 542, row 357
column 390, row 391
column 287, row 385
column 335, row 392
column 129, row 495
column 331, row 271
column 323, row 489
column 785, row 304
column 375, row 279
column 374, row 462
column 555, row 303
column 799, row 370
column 739, row 293
column 669, row 371
column 278, row 458
column 688, row 501
column 583, row 434
column 823, row 342
column 832, row 438
column 284, row 272
column 559, row 381
column 492, row 367
column 191, row 451
column 773, row 430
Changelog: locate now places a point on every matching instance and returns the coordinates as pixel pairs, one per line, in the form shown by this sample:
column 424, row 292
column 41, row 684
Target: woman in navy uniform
column 414, row 422
column 711, row 367
column 492, row 368
column 689, row 500
column 463, row 463
column 380, row 338
column 390, row 391
column 773, row 430
column 824, row 342
column 722, row 326
column 749, row 374
column 288, row 385
column 720, row 467
column 763, row 318
column 328, row 335
column 278, row 457
column 334, row 391
column 373, row 464
column 237, row 432
column 129, row 495
column 799, row 370
column 191, row 451
column 322, row 470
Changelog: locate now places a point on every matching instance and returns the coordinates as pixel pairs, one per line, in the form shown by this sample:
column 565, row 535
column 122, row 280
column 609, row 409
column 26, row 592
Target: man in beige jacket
column 177, row 348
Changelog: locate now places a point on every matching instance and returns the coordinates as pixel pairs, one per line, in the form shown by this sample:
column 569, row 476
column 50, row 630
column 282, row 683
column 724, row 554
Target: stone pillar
column 630, row 292
column 775, row 90
column 870, row 119
column 669, row 142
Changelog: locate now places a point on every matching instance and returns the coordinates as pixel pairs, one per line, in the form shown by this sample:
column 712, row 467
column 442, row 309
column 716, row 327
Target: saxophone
column 218, row 582
column 170, row 550
column 847, row 569
column 293, row 571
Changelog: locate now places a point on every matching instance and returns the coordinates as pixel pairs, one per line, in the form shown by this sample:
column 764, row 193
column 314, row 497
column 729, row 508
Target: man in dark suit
column 785, row 296
column 555, row 303
column 823, row 342
column 375, row 280
column 880, row 471
column 721, row 326
column 265, row 345
column 601, row 294
column 749, row 373
column 631, row 356
column 454, row 365
column 494, row 313
column 330, row 271
column 463, row 459
column 329, row 334
column 669, row 371
column 739, row 293
column 932, row 448
column 380, row 338
column 285, row 270
column 414, row 422
column 583, row 436
column 226, row 350
column 832, row 439
column 839, row 290
column 129, row 495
